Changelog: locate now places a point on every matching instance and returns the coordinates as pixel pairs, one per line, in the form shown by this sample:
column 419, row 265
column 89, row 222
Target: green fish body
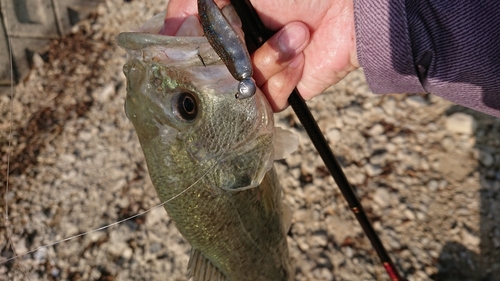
column 210, row 157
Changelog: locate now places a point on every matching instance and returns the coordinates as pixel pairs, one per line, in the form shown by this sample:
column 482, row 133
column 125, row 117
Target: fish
column 209, row 155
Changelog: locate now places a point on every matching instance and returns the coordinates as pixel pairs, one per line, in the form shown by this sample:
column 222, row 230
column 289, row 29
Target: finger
column 279, row 86
column 190, row 27
column 279, row 51
column 178, row 11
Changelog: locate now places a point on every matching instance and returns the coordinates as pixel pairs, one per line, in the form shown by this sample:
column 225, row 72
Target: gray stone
column 40, row 255
column 303, row 243
column 323, row 274
column 382, row 197
column 378, row 159
column 333, row 136
column 320, row 239
column 354, row 111
column 416, row 101
column 485, row 158
column 433, row 185
column 469, row 238
column 496, row 242
column 376, row 130
column 389, row 106
column 105, row 94
column 348, row 252
column 461, row 123
column 421, row 216
column 409, row 214
column 373, row 170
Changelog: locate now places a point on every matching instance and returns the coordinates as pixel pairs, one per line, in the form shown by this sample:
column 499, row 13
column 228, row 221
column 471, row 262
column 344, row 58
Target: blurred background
column 427, row 171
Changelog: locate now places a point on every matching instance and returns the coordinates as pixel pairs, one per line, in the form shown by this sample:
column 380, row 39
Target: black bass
column 210, row 156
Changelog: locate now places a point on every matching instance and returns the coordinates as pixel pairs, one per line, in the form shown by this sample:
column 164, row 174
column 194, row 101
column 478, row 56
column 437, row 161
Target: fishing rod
column 256, row 34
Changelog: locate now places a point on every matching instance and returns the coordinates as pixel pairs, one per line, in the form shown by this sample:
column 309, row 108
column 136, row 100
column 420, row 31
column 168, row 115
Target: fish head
column 181, row 100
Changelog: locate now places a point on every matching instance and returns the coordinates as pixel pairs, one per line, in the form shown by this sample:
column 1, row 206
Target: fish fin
column 285, row 143
column 202, row 269
column 287, row 217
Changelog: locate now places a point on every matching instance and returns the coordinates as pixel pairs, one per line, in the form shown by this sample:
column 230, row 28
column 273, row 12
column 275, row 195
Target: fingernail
column 292, row 39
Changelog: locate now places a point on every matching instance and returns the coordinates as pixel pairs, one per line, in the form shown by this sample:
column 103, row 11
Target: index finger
column 178, row 11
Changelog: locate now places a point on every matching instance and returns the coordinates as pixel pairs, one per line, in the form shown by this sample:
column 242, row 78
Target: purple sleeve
column 448, row 48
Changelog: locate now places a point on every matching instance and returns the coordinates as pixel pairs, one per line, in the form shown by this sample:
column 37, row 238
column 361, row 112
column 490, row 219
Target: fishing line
column 9, row 145
column 121, row 221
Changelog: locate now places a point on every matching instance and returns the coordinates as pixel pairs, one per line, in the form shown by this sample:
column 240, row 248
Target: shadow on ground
column 456, row 262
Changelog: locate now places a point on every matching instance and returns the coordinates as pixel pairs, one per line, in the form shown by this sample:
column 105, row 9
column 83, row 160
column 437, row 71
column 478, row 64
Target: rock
column 382, row 197
column 378, row 159
column 469, row 238
column 433, row 185
column 352, row 115
column 354, row 111
column 416, row 101
column 117, row 249
column 376, row 130
column 348, row 252
column 389, row 106
column 320, row 238
column 95, row 274
column 496, row 242
column 485, row 158
column 333, row 136
column 155, row 216
column 373, row 170
column 409, row 214
column 105, row 93
column 40, row 255
column 322, row 274
column 294, row 160
column 461, row 123
column 95, row 236
column 391, row 148
column 443, row 184
column 421, row 216
column 37, row 61
column 393, row 242
column 303, row 243
column 55, row 273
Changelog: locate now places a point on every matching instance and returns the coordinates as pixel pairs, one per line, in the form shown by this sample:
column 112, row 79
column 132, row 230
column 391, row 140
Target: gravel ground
column 426, row 170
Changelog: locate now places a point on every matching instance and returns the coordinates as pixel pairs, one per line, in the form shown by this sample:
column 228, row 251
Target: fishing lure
column 228, row 45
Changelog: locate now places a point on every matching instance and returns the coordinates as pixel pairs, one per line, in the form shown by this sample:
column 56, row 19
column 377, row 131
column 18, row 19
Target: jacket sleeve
column 448, row 48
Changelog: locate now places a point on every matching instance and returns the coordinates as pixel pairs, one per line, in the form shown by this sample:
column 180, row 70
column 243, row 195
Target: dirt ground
column 427, row 172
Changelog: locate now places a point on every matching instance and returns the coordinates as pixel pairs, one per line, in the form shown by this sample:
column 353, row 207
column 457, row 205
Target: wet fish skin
column 218, row 165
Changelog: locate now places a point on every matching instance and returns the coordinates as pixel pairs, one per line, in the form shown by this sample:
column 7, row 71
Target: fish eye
column 185, row 106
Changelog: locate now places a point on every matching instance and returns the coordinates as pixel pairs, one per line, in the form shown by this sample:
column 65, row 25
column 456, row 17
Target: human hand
column 314, row 48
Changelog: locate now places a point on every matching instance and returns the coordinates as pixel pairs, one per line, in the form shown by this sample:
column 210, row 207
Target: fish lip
column 149, row 34
column 141, row 40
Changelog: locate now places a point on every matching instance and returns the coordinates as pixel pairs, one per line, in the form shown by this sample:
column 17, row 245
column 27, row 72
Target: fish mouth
column 152, row 33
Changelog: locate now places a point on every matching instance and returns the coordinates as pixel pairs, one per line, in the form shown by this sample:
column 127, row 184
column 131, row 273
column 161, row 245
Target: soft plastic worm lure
column 228, row 45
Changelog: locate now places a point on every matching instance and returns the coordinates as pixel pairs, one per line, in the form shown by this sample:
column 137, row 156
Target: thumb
column 177, row 12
